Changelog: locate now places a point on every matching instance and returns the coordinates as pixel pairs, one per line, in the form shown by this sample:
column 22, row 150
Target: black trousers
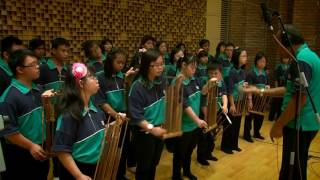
column 125, row 133
column 148, row 153
column 230, row 133
column 257, row 124
column 275, row 108
column 86, row 169
column 183, row 148
column 20, row 163
column 131, row 156
column 289, row 143
column 205, row 145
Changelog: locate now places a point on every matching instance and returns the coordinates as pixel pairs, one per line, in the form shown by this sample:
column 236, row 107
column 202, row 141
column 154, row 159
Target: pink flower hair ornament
column 79, row 70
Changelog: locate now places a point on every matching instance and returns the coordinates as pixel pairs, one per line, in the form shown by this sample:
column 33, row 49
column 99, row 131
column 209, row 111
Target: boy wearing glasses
column 21, row 102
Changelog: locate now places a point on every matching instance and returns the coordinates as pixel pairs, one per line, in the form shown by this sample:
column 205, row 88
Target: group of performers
column 87, row 97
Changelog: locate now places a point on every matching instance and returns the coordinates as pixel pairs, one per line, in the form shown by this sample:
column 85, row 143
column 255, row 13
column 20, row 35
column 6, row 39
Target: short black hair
column 18, row 57
column 259, row 55
column 59, row 42
column 147, row 38
column 294, row 36
column 159, row 43
column 236, row 56
column 188, row 59
column 104, row 42
column 202, row 53
column 229, row 44
column 86, row 46
column 36, row 43
column 203, row 41
column 215, row 65
column 8, row 42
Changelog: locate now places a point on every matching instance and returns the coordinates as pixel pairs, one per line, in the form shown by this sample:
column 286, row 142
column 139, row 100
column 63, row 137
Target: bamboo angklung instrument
column 221, row 119
column 174, row 109
column 215, row 118
column 240, row 103
column 49, row 117
column 258, row 104
column 111, row 149
column 212, row 98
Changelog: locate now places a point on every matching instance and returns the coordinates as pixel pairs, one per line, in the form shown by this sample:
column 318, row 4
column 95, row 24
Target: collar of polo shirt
column 187, row 81
column 52, row 66
column 256, row 71
column 303, row 46
column 91, row 107
column 119, row 75
column 5, row 67
column 21, row 87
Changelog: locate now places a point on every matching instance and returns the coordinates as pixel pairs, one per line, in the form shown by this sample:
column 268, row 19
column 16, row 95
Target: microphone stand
column 301, row 80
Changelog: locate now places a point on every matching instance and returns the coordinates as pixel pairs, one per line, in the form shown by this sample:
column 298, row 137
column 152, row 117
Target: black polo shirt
column 24, row 108
column 82, row 138
column 5, row 76
column 112, row 92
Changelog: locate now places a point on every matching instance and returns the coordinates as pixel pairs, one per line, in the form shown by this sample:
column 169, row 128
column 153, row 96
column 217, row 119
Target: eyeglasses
column 35, row 64
column 157, row 65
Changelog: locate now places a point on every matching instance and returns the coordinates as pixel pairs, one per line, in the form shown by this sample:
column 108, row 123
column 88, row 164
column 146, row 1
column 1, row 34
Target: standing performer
column 297, row 134
column 235, row 83
column 163, row 49
column 185, row 144
column 8, row 45
column 106, row 47
column 80, row 127
column 94, row 56
column 111, row 97
column 38, row 46
column 24, row 156
column 281, row 74
column 147, row 42
column 205, row 45
column 257, row 77
column 146, row 108
column 206, row 141
column 53, row 72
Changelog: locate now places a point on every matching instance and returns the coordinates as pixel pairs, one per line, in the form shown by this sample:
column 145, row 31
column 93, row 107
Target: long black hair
column 236, row 57
column 259, row 56
column 147, row 58
column 70, row 101
column 173, row 53
column 108, row 63
column 218, row 48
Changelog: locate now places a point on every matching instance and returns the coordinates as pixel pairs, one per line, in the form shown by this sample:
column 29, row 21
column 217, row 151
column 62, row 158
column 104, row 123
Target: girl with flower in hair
column 80, row 126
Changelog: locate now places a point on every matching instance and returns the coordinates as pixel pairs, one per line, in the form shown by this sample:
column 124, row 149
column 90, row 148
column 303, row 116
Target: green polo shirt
column 191, row 98
column 307, row 120
column 23, row 106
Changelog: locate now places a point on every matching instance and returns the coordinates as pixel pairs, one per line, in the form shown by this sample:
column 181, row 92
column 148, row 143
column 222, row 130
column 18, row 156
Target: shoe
column 190, row 176
column 203, row 162
column 259, row 137
column 237, row 149
column 212, row 158
column 249, row 139
column 132, row 169
column 227, row 151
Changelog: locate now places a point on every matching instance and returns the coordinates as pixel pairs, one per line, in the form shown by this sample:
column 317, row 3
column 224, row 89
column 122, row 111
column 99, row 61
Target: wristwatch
column 262, row 91
column 149, row 127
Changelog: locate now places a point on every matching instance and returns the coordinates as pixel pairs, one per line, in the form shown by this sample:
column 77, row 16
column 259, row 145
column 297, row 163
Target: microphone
column 267, row 16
